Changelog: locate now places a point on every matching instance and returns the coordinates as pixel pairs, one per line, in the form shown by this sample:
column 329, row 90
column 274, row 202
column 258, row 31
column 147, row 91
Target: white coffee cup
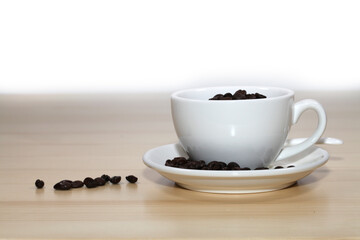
column 250, row 132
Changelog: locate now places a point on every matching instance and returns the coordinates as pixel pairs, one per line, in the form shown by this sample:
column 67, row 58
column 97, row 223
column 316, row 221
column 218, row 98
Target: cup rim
column 176, row 95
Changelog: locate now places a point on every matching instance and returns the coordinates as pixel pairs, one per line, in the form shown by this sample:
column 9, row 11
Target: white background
column 102, row 46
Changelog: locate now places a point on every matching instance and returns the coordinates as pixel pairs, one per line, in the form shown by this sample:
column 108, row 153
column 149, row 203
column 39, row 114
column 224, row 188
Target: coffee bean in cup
column 238, row 95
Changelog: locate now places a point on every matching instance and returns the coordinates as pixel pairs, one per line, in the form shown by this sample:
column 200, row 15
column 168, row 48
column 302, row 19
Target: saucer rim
column 234, row 174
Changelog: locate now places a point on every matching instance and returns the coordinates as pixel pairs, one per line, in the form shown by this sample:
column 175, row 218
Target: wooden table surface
column 55, row 137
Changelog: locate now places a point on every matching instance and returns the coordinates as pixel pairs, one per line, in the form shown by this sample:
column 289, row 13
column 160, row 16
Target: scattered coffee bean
column 115, row 179
column 77, row 184
column 63, row 185
column 131, row 178
column 105, row 177
column 39, row 183
column 100, row 181
column 90, row 182
column 66, row 180
column 238, row 95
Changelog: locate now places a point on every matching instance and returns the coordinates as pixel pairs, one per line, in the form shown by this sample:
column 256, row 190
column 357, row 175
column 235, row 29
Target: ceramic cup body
column 249, row 132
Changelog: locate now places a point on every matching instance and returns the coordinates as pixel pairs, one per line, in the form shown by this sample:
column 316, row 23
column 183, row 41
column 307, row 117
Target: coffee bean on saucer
column 77, row 184
column 39, row 183
column 233, row 165
column 131, row 178
column 245, row 169
column 216, row 165
column 178, row 162
column 261, row 168
column 63, row 185
column 115, row 179
column 193, row 164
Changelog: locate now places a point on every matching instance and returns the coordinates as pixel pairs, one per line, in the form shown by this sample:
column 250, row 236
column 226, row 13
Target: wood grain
column 55, row 137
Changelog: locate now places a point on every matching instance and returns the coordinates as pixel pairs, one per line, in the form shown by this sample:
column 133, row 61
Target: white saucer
column 251, row 181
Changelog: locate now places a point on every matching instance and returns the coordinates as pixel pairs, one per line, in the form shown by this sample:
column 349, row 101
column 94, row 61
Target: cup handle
column 297, row 109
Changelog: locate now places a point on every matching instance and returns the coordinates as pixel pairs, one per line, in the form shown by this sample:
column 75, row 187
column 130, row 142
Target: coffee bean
column 39, row 183
column 227, row 95
column 215, row 165
column 278, row 167
column 258, row 95
column 66, row 180
column 115, row 179
column 90, row 182
column 232, row 165
column 131, row 178
column 245, row 169
column 250, row 96
column 100, row 181
column 290, row 166
column 217, row 97
column 226, row 98
column 77, row 184
column 239, row 94
column 176, row 162
column 261, row 168
column 105, row 177
column 63, row 185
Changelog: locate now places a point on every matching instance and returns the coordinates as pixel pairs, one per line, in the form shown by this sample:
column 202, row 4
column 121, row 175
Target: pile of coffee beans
column 182, row 162
column 88, row 182
column 238, row 95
